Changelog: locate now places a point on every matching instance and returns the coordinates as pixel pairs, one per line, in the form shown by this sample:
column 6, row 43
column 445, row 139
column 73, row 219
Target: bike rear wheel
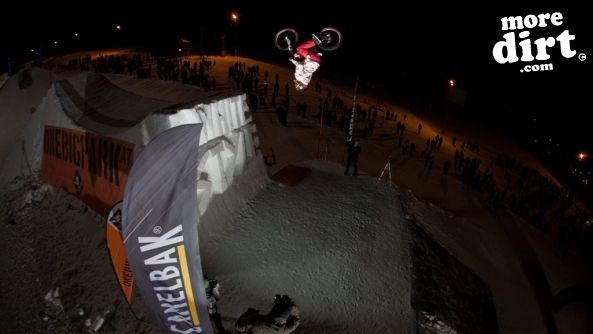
column 332, row 39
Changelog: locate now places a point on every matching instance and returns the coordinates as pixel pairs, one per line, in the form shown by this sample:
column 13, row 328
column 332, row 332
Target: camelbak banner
column 160, row 230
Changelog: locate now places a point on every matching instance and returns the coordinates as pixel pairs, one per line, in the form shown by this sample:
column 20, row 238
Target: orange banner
column 93, row 167
column 119, row 260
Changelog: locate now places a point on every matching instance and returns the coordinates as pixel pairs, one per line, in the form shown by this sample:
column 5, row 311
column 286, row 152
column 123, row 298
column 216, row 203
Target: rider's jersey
column 304, row 71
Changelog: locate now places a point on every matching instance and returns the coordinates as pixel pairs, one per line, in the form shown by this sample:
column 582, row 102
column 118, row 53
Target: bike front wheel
column 286, row 39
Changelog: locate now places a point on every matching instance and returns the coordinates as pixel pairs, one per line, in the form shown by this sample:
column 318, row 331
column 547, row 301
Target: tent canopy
column 110, row 104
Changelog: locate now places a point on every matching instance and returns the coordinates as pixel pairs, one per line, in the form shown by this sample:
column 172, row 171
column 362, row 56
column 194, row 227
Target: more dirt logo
column 505, row 51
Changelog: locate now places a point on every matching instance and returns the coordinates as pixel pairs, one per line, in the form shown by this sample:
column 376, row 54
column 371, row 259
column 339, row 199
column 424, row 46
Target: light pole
column 235, row 18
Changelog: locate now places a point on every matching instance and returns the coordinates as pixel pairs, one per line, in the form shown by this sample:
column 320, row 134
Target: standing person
column 353, row 153
column 266, row 84
column 253, row 102
column 282, row 112
column 212, row 296
column 446, row 166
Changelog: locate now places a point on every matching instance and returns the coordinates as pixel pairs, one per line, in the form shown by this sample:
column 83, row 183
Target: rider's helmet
column 299, row 86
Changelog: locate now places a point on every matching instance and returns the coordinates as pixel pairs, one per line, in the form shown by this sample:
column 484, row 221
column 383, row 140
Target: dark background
column 407, row 53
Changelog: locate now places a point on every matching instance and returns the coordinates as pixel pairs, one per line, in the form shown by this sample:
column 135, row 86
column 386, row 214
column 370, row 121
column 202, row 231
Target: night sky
column 411, row 52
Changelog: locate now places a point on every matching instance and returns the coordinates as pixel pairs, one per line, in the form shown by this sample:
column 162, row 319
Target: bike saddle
column 325, row 37
column 321, row 38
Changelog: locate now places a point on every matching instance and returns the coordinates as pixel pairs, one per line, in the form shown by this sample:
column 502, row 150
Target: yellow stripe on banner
column 189, row 293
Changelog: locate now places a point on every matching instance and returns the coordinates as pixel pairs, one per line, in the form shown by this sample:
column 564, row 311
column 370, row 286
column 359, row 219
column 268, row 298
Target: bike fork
column 289, row 44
